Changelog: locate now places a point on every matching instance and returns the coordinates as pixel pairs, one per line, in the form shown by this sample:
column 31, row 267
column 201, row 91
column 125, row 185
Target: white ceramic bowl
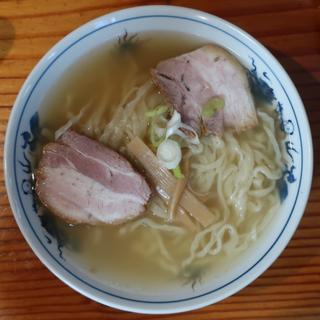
column 271, row 79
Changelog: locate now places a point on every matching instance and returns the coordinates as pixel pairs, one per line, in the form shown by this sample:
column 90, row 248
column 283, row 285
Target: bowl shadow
column 7, row 36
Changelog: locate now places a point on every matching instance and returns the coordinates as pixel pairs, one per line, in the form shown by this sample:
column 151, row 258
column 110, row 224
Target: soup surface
column 234, row 176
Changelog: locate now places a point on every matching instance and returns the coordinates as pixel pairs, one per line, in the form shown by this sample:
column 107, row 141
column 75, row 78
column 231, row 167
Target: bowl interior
column 273, row 83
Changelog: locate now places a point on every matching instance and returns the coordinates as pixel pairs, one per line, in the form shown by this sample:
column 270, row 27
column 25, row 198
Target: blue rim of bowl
column 26, row 103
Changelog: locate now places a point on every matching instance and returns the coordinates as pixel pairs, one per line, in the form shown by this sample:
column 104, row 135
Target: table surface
column 290, row 289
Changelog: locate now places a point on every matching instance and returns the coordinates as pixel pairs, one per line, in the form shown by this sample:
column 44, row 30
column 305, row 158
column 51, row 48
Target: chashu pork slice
column 83, row 181
column 189, row 81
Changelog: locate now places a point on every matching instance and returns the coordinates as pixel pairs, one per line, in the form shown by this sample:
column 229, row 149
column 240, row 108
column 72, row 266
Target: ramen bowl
column 269, row 78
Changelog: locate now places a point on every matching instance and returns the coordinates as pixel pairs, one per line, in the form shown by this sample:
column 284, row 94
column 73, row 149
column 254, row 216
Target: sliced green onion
column 154, row 138
column 157, row 111
column 177, row 172
column 169, row 153
column 212, row 106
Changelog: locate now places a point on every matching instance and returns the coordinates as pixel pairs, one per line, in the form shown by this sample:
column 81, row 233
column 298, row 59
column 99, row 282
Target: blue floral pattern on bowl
column 30, row 144
column 262, row 90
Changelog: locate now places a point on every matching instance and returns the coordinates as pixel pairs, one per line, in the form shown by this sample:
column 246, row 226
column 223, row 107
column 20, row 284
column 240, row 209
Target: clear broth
column 99, row 77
